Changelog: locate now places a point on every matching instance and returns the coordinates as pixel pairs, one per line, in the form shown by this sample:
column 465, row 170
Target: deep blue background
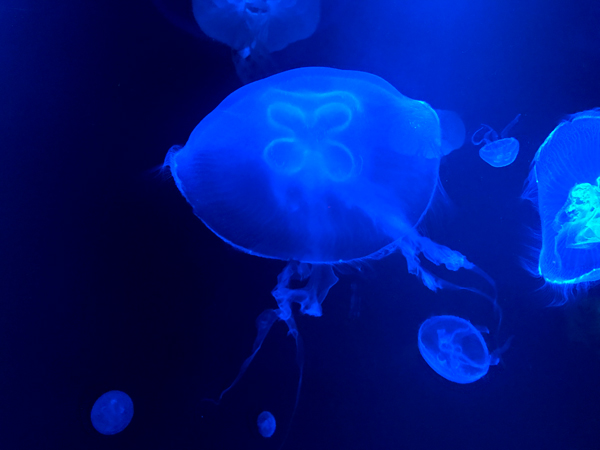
column 110, row 282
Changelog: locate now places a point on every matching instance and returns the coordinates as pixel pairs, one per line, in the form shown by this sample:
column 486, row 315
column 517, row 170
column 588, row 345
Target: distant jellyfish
column 255, row 28
column 266, row 424
column 564, row 184
column 112, row 412
column 453, row 130
column 455, row 349
column 497, row 152
column 319, row 168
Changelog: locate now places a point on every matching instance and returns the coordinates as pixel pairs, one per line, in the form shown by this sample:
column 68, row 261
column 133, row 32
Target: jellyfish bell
column 320, row 168
column 266, row 424
column 498, row 151
column 455, row 349
column 564, row 185
column 112, row 412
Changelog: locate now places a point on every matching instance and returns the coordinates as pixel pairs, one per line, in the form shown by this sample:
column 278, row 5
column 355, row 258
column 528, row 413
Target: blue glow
column 245, row 25
column 455, row 349
column 266, row 424
column 112, row 412
column 320, row 168
column 453, row 130
column 564, row 184
column 497, row 152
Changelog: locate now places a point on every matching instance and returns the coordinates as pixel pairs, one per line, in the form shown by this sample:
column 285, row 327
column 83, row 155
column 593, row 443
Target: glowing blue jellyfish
column 320, row 168
column 263, row 26
column 453, row 130
column 564, row 184
column 266, row 424
column 497, row 152
column 455, row 349
column 112, row 412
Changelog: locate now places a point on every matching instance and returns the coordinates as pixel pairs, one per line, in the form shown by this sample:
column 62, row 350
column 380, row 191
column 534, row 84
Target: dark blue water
column 109, row 282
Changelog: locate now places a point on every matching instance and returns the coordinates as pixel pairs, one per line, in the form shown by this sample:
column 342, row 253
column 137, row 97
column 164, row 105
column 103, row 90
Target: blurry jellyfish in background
column 453, row 130
column 320, row 168
column 564, row 184
column 455, row 349
column 112, row 412
column 266, row 424
column 497, row 152
column 255, row 28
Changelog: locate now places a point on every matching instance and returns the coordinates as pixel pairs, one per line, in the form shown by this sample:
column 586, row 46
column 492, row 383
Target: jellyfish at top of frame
column 320, row 168
column 564, row 185
column 498, row 151
column 266, row 424
column 112, row 412
column 257, row 26
column 455, row 349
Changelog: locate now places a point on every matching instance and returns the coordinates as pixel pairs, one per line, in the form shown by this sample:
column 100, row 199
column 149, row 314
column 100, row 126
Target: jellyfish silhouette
column 255, row 28
column 112, row 412
column 497, row 152
column 266, row 424
column 455, row 349
column 321, row 168
column 564, row 184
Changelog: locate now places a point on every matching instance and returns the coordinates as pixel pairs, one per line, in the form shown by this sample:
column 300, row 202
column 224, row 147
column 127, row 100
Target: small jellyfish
column 564, row 184
column 112, row 412
column 266, row 424
column 497, row 152
column 455, row 349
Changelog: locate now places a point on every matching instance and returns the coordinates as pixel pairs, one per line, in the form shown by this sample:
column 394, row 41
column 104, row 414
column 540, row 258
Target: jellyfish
column 453, row 130
column 497, row 152
column 112, row 412
column 320, row 168
column 455, row 348
column 255, row 28
column 266, row 424
column 564, row 185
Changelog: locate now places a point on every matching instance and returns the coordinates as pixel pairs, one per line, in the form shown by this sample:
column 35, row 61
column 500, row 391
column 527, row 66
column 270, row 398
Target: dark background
column 110, row 282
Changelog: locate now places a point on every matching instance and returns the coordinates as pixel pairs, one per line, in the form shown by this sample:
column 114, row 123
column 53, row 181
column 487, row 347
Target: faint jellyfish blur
column 319, row 168
column 497, row 152
column 255, row 28
column 564, row 185
column 266, row 424
column 112, row 412
column 455, row 349
column 453, row 130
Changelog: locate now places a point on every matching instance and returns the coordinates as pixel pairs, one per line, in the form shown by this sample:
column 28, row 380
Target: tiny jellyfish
column 255, row 28
column 455, row 349
column 564, row 185
column 453, row 130
column 320, row 168
column 112, row 412
column 266, row 424
column 498, row 151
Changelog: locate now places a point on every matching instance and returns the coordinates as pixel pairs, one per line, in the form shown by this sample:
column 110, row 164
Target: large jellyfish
column 112, row 412
column 255, row 28
column 498, row 151
column 564, row 184
column 455, row 348
column 320, row 168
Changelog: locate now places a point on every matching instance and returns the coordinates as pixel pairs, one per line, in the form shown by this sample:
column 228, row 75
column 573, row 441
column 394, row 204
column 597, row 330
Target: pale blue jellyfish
column 257, row 25
column 112, row 412
column 564, row 184
column 453, row 130
column 498, row 151
column 317, row 167
column 266, row 424
column 455, row 349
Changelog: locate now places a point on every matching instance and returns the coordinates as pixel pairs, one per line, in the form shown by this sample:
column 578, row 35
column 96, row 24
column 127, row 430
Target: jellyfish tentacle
column 489, row 136
column 508, row 127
